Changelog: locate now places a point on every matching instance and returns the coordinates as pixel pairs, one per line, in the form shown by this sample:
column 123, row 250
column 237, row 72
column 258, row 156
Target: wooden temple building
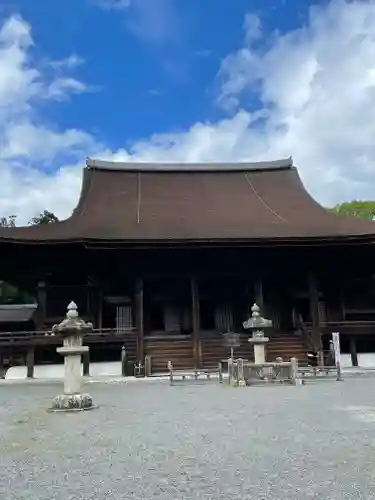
column 167, row 258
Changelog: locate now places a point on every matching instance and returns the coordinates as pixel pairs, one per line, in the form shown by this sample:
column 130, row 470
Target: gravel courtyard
column 152, row 441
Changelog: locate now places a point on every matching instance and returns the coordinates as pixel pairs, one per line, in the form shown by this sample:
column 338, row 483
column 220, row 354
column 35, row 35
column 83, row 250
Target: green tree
column 10, row 294
column 360, row 209
column 45, row 217
column 9, row 221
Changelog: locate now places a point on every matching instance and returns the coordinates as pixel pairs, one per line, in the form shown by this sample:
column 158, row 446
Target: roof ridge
column 284, row 163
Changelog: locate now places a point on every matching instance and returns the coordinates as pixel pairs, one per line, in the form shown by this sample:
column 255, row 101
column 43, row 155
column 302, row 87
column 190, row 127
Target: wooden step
column 162, row 350
column 213, row 350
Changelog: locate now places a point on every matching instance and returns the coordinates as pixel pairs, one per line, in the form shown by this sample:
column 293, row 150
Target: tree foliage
column 45, row 217
column 360, row 209
column 10, row 294
column 9, row 221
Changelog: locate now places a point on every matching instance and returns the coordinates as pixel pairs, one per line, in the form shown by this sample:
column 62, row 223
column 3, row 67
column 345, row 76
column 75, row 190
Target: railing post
column 30, row 362
column 124, row 362
column 148, row 365
column 220, row 372
column 353, row 351
column 293, row 370
column 339, row 376
column 170, row 369
column 86, row 363
column 230, row 370
column 240, row 372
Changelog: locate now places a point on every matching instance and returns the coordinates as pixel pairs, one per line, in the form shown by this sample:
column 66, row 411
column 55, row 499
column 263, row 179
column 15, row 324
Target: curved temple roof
column 140, row 202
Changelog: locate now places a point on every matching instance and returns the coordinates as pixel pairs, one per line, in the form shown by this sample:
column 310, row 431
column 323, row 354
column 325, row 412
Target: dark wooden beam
column 90, row 299
column 139, row 318
column 94, row 303
column 41, row 296
column 258, row 294
column 100, row 309
column 196, row 321
column 2, row 369
column 314, row 311
column 182, row 276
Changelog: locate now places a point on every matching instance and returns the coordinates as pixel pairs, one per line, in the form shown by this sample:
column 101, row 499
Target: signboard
column 336, row 346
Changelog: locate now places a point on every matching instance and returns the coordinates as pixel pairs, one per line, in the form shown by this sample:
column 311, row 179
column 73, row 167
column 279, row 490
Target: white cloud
column 29, row 149
column 70, row 62
column 19, row 81
column 61, row 87
column 315, row 86
column 36, row 142
column 253, row 27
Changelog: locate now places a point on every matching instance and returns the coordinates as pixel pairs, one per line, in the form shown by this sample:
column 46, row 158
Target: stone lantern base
column 72, row 402
column 72, row 328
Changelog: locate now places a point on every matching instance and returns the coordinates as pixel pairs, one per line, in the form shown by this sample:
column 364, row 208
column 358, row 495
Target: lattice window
column 124, row 318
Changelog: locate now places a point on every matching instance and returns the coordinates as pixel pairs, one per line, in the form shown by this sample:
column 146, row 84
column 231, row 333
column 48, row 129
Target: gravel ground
column 151, row 441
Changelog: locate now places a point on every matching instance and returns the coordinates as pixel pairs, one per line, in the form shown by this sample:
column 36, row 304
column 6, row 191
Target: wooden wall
column 230, row 276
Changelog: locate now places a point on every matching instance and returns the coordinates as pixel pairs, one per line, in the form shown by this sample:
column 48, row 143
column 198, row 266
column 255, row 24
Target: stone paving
column 152, row 441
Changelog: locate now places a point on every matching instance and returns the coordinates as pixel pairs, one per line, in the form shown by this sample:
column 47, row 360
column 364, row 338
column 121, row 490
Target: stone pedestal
column 72, row 352
column 72, row 328
column 259, row 344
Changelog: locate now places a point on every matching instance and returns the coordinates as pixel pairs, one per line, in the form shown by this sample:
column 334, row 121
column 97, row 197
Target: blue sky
column 152, row 66
column 183, row 80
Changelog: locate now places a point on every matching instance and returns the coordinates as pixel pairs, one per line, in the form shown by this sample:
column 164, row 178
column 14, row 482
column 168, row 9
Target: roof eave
column 365, row 238
column 284, row 163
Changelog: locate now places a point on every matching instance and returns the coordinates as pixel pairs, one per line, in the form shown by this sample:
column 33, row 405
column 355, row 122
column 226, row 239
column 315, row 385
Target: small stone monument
column 72, row 329
column 232, row 340
column 257, row 324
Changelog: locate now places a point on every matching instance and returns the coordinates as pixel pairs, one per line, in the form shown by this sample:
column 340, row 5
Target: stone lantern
column 257, row 324
column 72, row 329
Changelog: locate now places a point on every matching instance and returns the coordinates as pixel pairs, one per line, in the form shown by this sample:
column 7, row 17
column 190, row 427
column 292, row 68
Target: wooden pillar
column 94, row 304
column 197, row 355
column 92, row 301
column 30, row 362
column 41, row 293
column 353, row 351
column 100, row 310
column 258, row 294
column 86, row 363
column 2, row 369
column 139, row 318
column 314, row 310
column 89, row 301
